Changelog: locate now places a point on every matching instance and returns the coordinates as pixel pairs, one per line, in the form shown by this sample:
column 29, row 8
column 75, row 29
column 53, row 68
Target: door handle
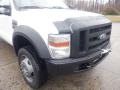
column 14, row 24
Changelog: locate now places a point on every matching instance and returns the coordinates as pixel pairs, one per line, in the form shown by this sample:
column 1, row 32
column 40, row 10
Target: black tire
column 40, row 75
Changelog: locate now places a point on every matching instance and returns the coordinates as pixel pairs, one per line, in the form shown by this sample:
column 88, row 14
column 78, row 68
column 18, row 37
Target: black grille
column 90, row 41
column 100, row 29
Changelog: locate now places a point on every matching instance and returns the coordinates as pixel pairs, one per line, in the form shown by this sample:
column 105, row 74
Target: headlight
column 59, row 46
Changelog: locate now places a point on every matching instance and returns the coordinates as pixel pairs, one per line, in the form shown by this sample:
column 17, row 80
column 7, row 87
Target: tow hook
column 105, row 51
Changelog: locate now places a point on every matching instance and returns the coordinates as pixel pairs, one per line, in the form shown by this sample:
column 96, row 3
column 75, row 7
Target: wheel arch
column 24, row 35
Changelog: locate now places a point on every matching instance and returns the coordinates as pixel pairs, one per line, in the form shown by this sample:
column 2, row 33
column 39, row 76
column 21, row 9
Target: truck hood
column 44, row 18
column 55, row 14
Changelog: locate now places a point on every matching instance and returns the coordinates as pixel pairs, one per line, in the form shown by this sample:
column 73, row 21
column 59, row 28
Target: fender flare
column 34, row 38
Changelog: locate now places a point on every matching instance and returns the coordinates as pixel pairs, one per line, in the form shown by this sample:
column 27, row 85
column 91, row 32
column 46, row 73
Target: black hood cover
column 72, row 24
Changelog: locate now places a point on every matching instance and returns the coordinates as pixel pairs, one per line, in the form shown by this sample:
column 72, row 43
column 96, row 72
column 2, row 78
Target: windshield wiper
column 54, row 7
column 30, row 7
column 57, row 7
column 37, row 7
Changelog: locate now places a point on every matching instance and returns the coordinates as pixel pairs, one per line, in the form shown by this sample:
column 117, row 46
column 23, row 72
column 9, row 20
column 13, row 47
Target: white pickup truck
column 50, row 38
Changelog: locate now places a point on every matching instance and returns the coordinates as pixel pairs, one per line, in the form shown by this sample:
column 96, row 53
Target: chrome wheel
column 27, row 69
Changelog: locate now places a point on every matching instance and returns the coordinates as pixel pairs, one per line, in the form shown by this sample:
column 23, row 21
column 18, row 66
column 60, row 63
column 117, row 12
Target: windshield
column 31, row 4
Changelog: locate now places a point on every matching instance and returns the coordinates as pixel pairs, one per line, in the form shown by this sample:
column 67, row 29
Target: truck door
column 6, row 30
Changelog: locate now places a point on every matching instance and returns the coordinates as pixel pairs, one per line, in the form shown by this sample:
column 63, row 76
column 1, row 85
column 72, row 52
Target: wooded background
column 100, row 6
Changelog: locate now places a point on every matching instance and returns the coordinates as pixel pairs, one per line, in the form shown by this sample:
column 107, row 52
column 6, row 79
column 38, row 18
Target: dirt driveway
column 106, row 76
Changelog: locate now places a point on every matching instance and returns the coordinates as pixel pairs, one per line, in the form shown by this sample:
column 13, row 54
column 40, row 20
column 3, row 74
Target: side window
column 4, row 2
column 5, row 8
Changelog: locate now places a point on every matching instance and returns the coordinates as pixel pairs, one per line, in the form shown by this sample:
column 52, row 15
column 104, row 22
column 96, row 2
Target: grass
column 114, row 18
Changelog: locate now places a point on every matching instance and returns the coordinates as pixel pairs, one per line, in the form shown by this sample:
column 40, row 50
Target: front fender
column 34, row 38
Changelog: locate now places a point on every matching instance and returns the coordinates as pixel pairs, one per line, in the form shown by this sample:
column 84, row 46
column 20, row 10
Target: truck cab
column 50, row 38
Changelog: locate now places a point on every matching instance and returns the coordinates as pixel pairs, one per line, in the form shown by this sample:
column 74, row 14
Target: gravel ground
column 105, row 76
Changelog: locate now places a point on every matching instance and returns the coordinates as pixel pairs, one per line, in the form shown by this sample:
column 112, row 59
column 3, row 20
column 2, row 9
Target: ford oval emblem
column 102, row 36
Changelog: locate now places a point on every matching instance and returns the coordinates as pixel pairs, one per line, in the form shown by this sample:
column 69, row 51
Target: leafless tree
column 93, row 5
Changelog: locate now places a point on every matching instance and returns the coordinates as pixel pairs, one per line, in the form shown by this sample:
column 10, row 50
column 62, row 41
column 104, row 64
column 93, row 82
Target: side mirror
column 5, row 10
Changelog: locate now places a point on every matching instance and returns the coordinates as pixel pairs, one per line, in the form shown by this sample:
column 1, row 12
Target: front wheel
column 31, row 67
